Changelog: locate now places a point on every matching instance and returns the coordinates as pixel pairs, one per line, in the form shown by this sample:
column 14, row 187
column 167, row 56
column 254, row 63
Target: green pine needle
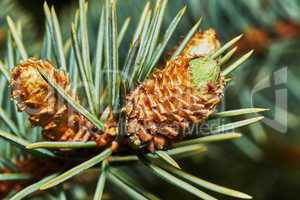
column 142, row 18
column 61, row 145
column 237, row 63
column 85, row 52
column 98, row 60
column 126, row 188
column 58, row 40
column 162, row 45
column 115, row 59
column 101, row 181
column 226, row 46
column 238, row 124
column 123, row 30
column 54, row 29
column 137, row 65
column 10, row 124
column 14, row 177
column 93, row 119
column 31, row 188
column 17, row 38
column 76, row 170
column 249, row 148
column 187, row 39
column 167, row 158
column 243, row 111
column 176, row 181
column 128, row 181
column 8, row 164
column 227, row 56
column 22, row 143
column 87, row 82
column 46, row 51
column 210, row 138
column 184, row 151
column 5, row 71
column 203, row 183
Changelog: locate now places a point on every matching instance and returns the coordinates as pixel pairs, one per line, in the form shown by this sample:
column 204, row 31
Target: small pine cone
column 185, row 92
column 48, row 110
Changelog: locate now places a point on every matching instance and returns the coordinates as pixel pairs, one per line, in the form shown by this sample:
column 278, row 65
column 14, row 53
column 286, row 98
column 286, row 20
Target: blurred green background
column 266, row 162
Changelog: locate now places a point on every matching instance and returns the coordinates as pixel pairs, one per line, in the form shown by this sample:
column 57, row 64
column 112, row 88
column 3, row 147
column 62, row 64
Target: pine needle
column 168, row 159
column 101, row 181
column 237, row 112
column 93, row 119
column 237, row 124
column 162, row 45
column 76, row 170
column 17, row 38
column 203, row 183
column 124, row 187
column 10, row 124
column 210, row 138
column 87, row 83
column 23, row 143
column 5, row 71
column 237, row 63
column 61, row 145
column 175, row 181
column 226, row 46
column 123, row 30
column 14, row 177
column 187, row 39
column 85, row 49
column 227, row 56
column 31, row 188
column 98, row 60
column 128, row 182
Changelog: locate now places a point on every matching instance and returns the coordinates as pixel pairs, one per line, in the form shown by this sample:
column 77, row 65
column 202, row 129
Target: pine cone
column 48, row 110
column 185, row 92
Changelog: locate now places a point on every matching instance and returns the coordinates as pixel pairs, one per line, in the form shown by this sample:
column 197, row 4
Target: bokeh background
column 266, row 161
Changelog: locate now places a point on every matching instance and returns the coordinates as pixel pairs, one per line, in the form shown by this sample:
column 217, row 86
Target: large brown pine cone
column 161, row 109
